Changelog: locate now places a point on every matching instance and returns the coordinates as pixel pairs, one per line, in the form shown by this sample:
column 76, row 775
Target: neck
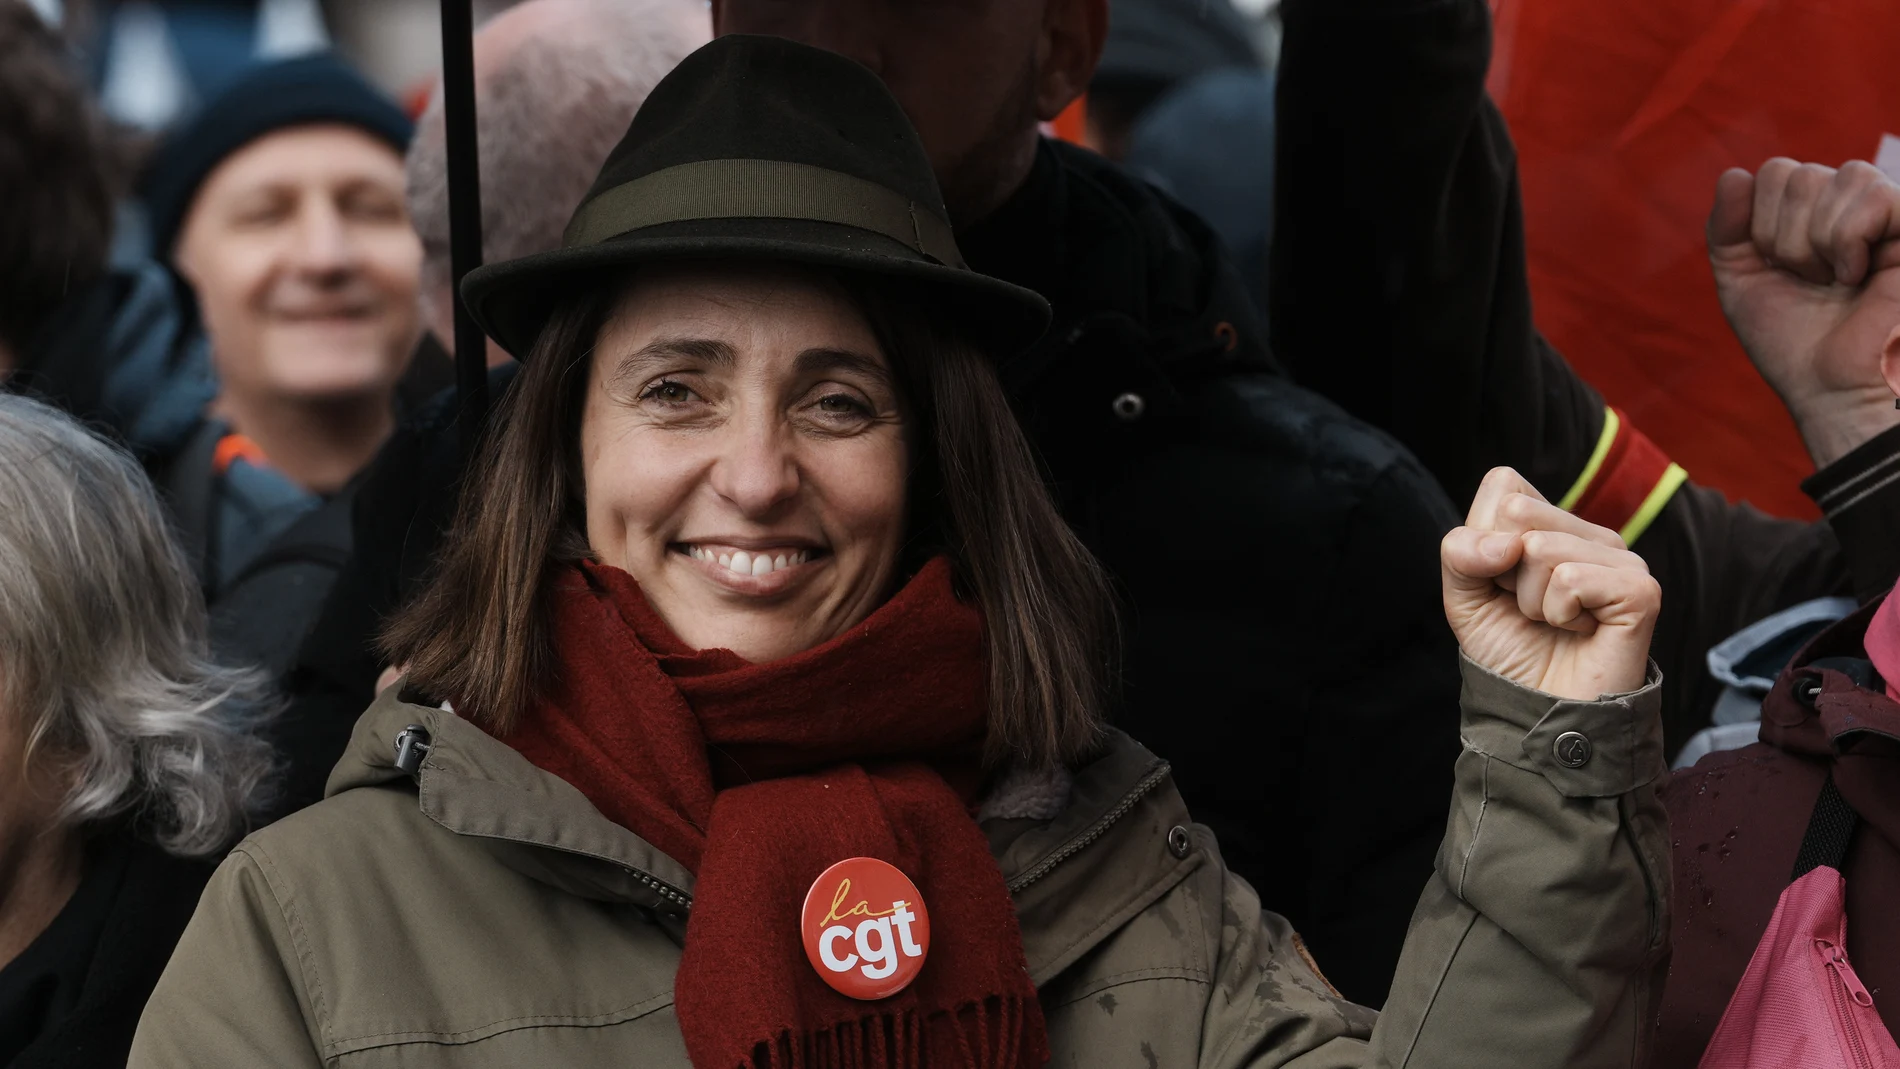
column 990, row 178
column 319, row 445
column 39, row 870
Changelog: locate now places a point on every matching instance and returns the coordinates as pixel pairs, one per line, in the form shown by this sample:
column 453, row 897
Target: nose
column 323, row 248
column 757, row 470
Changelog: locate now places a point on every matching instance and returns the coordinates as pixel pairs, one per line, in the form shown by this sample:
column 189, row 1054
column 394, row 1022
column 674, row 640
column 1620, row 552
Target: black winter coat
column 96, row 964
column 1286, row 646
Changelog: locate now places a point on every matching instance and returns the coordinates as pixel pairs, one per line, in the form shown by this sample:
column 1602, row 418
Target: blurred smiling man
column 300, row 251
column 280, row 207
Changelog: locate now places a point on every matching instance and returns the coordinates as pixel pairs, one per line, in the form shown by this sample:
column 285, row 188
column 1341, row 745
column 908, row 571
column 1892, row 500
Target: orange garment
column 234, row 447
column 1624, row 113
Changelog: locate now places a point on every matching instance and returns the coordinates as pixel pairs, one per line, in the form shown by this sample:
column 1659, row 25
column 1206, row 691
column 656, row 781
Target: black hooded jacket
column 1285, row 643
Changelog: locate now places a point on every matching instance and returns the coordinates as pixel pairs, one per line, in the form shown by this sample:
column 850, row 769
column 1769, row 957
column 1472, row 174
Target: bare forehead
column 743, row 307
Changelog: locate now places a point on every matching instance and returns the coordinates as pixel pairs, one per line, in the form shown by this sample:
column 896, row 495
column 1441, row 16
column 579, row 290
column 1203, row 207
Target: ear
column 184, row 260
column 1890, row 361
column 1073, row 32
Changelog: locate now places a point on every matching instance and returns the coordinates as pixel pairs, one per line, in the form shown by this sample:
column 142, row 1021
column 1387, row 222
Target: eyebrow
column 707, row 350
column 813, row 361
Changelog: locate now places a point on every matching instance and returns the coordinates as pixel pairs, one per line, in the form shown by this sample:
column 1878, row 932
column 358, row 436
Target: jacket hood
column 1821, row 711
column 128, row 353
column 1107, row 854
column 474, row 785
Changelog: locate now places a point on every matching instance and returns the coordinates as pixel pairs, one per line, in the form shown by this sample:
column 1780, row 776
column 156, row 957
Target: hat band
column 762, row 189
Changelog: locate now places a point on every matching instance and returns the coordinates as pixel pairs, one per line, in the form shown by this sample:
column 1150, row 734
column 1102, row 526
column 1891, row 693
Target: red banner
column 1624, row 113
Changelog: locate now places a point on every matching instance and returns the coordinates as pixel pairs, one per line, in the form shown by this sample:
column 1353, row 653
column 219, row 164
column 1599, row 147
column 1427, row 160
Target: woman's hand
column 1545, row 599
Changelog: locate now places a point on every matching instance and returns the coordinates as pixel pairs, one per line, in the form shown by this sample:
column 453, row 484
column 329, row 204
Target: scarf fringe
column 978, row 1035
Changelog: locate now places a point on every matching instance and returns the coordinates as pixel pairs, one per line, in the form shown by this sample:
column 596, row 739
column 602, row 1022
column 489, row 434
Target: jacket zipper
column 412, row 748
column 1848, row 987
column 666, row 891
column 1095, row 831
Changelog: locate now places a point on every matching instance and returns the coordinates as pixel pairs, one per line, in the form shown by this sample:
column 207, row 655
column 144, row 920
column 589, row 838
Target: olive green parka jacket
column 482, row 913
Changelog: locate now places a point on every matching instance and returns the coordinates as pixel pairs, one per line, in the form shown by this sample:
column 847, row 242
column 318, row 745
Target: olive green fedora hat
column 759, row 148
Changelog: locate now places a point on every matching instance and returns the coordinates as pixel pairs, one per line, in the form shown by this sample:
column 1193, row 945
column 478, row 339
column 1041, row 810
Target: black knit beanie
column 309, row 89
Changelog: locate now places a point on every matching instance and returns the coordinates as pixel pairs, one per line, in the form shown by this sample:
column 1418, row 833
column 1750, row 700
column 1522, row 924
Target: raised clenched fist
column 1807, row 264
column 1545, row 599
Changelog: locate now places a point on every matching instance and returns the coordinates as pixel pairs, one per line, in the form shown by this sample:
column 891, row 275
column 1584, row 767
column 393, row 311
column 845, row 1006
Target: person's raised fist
column 1545, row 599
column 1807, row 265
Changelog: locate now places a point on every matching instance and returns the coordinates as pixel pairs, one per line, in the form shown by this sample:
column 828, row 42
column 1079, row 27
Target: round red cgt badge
column 865, row 927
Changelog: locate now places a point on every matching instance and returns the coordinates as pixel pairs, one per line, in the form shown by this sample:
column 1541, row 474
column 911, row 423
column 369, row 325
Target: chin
column 761, row 640
column 336, row 376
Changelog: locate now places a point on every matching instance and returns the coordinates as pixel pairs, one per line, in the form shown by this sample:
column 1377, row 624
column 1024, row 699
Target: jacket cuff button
column 1178, row 842
column 1572, row 749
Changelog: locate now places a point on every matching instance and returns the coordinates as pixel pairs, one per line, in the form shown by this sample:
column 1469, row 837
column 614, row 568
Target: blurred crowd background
column 1623, row 112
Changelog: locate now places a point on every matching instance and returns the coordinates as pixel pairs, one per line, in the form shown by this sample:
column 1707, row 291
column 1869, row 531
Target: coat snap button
column 1130, row 406
column 412, row 745
column 1807, row 689
column 1572, row 749
column 1178, row 842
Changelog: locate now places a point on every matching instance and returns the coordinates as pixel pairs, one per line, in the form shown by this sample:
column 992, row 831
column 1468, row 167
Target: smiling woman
column 745, row 458
column 755, row 713
column 708, row 419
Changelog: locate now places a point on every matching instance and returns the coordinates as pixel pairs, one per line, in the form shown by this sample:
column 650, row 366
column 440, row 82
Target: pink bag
column 1800, row 1005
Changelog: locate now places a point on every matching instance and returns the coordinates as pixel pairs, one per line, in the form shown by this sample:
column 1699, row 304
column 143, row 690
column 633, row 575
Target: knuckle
column 1649, row 593
column 1810, row 177
column 1869, row 211
column 1777, row 167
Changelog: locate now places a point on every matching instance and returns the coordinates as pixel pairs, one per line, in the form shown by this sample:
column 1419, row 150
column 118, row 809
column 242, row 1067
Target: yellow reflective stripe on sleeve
column 1604, row 441
column 1653, row 505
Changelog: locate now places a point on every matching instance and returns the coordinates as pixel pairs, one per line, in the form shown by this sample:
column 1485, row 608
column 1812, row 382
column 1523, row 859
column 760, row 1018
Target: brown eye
column 841, row 404
column 667, row 392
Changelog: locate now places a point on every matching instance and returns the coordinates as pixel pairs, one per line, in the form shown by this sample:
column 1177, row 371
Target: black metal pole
column 465, row 215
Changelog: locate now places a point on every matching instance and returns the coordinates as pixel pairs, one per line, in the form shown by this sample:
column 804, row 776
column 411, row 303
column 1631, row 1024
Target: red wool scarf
column 759, row 777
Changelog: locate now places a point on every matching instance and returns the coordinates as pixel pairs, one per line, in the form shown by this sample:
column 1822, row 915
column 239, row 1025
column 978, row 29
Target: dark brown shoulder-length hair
column 479, row 632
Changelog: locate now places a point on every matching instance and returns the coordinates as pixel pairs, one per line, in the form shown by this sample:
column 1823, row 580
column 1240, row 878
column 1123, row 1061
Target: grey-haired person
column 129, row 760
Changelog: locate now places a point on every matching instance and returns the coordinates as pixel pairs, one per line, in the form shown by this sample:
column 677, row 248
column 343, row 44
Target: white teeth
column 744, row 562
